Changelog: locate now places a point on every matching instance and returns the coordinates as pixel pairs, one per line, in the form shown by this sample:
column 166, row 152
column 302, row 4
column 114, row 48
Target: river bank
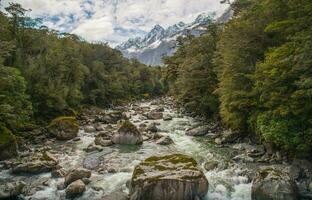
column 231, row 167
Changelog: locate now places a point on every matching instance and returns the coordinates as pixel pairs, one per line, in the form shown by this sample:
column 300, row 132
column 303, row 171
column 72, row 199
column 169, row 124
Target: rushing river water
column 225, row 182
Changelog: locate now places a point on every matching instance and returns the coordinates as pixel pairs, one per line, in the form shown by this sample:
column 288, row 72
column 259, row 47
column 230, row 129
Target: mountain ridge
column 160, row 42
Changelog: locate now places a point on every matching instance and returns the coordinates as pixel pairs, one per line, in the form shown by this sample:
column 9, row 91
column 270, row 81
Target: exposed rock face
column 64, row 128
column 75, row 189
column 165, row 140
column 273, row 184
column 76, row 174
column 167, row 177
column 199, row 131
column 127, row 134
column 154, row 115
column 11, row 190
column 8, row 145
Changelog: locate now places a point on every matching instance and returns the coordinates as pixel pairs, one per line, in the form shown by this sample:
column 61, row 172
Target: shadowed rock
column 273, row 184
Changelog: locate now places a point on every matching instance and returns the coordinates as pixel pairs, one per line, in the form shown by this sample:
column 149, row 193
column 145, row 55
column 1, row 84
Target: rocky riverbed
column 98, row 162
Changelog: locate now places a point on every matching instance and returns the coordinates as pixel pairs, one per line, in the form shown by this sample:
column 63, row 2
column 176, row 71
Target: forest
column 45, row 73
column 254, row 73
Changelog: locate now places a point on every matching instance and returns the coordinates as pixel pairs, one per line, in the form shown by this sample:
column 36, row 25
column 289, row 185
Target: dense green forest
column 254, row 72
column 45, row 73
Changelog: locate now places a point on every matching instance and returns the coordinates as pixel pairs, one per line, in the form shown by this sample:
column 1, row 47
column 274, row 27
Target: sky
column 115, row 21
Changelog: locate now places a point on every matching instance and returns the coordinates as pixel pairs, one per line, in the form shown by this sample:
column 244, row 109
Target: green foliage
column 191, row 76
column 15, row 107
column 263, row 65
column 48, row 74
column 6, row 136
column 283, row 82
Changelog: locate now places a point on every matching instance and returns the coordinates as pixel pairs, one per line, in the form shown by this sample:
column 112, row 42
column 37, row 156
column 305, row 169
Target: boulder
column 211, row 165
column 11, row 190
column 35, row 164
column 8, row 144
column 64, row 128
column 154, row 115
column 273, row 184
column 35, row 167
column 173, row 176
column 89, row 129
column 75, row 189
column 127, row 134
column 198, row 131
column 102, row 142
column 167, row 117
column 76, row 174
column 152, row 128
column 165, row 140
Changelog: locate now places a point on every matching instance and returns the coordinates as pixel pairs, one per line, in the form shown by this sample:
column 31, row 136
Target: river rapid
column 113, row 166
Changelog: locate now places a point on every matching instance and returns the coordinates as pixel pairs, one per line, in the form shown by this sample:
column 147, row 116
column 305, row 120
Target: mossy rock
column 175, row 176
column 8, row 144
column 64, row 128
column 127, row 134
column 128, row 126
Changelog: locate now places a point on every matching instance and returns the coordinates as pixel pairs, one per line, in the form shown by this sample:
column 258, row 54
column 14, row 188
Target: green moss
column 175, row 166
column 65, row 122
column 128, row 126
column 6, row 136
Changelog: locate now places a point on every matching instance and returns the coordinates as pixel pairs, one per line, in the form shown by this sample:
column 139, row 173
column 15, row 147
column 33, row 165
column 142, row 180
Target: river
column 225, row 182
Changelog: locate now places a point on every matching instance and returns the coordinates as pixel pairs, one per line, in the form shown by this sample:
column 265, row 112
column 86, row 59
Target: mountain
column 160, row 42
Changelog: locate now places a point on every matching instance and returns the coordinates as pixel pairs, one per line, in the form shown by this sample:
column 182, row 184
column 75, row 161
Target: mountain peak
column 158, row 28
column 203, row 18
column 160, row 41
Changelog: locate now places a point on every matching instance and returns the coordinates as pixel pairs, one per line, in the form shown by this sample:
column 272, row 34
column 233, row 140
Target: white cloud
column 95, row 29
column 97, row 19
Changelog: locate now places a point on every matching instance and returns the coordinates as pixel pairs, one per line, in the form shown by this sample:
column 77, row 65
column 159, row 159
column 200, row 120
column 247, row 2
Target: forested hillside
column 45, row 73
column 254, row 72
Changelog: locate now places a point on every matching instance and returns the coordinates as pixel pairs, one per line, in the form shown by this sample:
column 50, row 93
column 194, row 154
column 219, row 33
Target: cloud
column 115, row 21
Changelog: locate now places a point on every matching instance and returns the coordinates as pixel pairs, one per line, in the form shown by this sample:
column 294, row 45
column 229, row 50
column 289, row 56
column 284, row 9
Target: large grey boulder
column 75, row 189
column 64, row 128
column 76, row 174
column 273, row 184
column 170, row 177
column 127, row 134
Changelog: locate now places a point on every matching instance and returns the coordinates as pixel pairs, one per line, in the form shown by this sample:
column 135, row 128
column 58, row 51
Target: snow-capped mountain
column 160, row 42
